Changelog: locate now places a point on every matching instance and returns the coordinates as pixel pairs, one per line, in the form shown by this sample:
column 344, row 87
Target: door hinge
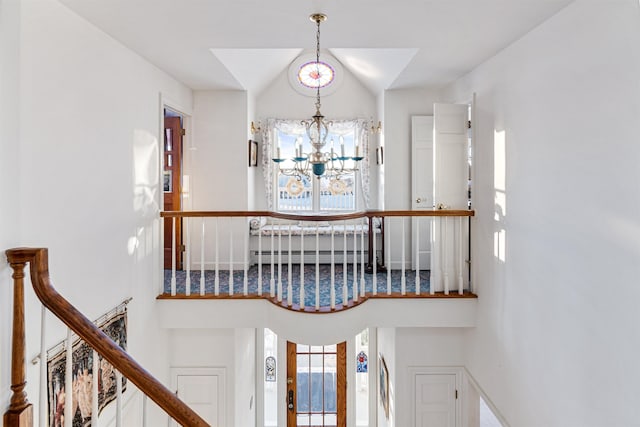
column 182, row 248
column 468, row 124
column 456, row 394
column 183, row 132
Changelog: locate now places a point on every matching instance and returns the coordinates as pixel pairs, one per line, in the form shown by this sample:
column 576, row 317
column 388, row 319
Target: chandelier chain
column 318, row 64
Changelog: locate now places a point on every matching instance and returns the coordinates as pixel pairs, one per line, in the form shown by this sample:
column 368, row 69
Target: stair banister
column 20, row 410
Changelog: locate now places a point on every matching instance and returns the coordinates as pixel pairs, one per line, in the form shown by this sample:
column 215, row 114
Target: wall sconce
column 376, row 129
column 254, row 129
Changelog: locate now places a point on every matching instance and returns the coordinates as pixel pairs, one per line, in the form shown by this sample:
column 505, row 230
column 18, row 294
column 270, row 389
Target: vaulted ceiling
column 245, row 44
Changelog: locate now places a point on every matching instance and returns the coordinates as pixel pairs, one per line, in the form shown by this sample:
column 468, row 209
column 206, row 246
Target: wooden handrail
column 323, row 217
column 85, row 329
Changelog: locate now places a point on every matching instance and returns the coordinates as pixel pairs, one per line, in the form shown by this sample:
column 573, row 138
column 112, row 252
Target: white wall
column 220, row 159
column 206, row 348
column 89, row 171
column 350, row 100
column 422, row 347
column 232, row 349
column 557, row 337
column 245, row 374
column 9, row 184
column 254, row 175
column 380, row 175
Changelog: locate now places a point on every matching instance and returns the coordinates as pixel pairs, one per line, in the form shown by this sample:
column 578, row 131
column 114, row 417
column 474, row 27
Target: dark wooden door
column 171, row 184
column 316, row 385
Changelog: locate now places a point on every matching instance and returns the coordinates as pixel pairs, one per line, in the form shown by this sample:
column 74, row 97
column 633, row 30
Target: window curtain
column 339, row 127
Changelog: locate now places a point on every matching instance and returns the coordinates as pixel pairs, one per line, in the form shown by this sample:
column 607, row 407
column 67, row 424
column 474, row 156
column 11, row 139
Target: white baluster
column 187, row 284
column 362, row 257
column 231, row 256
column 417, row 249
column 94, row 389
column 68, row 381
column 118, row 399
column 43, row 369
column 355, row 263
column 460, row 257
column 289, row 272
column 279, row 264
column 173, row 256
column 302, row 271
column 217, row 266
column 444, row 253
column 332, row 291
column 375, row 257
column 272, row 283
column 403, row 281
column 145, row 401
column 345, row 290
column 387, row 237
column 202, row 240
column 317, row 267
column 259, row 256
column 432, row 272
column 246, row 261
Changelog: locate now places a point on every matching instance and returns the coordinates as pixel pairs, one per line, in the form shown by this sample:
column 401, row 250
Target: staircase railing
column 20, row 412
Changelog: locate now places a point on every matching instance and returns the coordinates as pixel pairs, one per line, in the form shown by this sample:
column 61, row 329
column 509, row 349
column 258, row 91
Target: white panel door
column 421, row 189
column 203, row 390
column 450, row 178
column 450, row 167
column 435, row 400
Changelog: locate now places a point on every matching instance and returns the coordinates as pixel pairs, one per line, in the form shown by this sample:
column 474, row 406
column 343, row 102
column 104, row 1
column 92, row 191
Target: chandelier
column 317, row 162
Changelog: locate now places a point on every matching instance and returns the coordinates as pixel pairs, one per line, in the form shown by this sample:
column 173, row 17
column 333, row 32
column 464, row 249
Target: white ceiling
column 245, row 44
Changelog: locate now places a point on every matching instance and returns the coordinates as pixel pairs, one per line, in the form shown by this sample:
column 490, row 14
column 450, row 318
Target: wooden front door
column 172, row 173
column 316, row 385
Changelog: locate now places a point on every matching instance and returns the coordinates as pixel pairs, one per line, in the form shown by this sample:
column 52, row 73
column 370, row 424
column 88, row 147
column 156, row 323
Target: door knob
column 418, row 200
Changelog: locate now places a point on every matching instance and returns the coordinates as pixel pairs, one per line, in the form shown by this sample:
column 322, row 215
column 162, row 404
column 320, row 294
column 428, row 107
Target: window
column 324, row 193
column 287, row 191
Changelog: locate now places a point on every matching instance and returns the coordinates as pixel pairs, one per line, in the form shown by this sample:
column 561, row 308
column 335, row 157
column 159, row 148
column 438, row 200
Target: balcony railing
column 317, row 262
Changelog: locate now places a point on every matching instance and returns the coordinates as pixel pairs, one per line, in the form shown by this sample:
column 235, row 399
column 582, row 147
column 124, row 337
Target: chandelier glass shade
column 317, row 74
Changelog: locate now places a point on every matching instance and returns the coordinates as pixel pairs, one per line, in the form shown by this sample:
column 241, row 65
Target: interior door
column 451, row 181
column 435, row 400
column 172, row 173
column 451, row 160
column 203, row 389
column 421, row 189
column 316, row 385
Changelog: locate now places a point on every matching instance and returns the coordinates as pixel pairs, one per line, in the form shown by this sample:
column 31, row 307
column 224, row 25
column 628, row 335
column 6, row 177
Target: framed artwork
column 379, row 156
column 253, row 153
column 167, row 181
column 384, row 385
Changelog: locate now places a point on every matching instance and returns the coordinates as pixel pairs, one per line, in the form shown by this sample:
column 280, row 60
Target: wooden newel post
column 20, row 412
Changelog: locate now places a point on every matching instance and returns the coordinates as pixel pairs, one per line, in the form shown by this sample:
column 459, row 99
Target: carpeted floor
column 309, row 280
